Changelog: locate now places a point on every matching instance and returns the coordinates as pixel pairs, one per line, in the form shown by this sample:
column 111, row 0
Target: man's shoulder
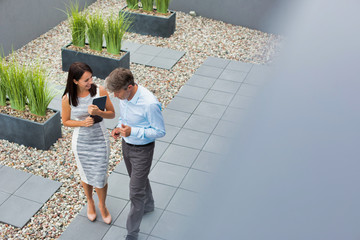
column 147, row 96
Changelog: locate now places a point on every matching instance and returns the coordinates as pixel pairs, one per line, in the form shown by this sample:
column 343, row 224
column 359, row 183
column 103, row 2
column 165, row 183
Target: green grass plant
column 162, row 6
column 77, row 21
column 132, row 4
column 95, row 31
column 116, row 27
column 3, row 82
column 15, row 78
column 38, row 92
column 147, row 5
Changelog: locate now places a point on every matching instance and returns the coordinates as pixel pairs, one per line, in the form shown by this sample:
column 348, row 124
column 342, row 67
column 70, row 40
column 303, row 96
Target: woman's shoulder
column 102, row 91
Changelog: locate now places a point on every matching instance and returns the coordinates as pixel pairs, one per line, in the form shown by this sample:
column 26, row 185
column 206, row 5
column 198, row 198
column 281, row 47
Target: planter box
column 152, row 25
column 101, row 66
column 29, row 133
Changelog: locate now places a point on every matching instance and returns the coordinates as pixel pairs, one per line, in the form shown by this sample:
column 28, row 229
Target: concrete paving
column 22, row 194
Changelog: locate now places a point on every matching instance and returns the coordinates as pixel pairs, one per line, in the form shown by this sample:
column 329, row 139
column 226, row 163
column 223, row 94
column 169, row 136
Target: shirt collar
column 135, row 98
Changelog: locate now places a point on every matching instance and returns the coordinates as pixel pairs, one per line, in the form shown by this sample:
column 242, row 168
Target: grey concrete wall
column 21, row 21
column 263, row 15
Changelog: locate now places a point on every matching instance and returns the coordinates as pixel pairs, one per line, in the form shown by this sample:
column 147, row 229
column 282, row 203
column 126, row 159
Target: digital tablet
column 100, row 102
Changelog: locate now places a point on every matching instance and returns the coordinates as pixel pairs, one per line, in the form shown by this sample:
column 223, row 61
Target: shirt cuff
column 134, row 131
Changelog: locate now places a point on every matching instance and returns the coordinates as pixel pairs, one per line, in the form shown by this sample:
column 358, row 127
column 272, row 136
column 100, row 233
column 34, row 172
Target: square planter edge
column 152, row 25
column 101, row 66
column 29, row 133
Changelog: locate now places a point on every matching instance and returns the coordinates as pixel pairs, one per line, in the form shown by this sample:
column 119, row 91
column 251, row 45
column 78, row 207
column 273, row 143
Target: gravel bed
column 200, row 37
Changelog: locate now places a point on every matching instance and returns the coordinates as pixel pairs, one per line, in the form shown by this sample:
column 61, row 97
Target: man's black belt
column 133, row 145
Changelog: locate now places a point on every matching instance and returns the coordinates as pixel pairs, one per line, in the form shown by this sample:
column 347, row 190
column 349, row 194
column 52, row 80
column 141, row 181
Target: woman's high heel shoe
column 91, row 216
column 107, row 219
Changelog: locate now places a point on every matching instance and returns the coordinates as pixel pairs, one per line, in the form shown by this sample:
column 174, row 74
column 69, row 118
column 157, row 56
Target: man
column 140, row 123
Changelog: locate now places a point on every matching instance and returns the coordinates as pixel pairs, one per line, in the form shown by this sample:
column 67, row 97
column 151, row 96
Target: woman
column 90, row 142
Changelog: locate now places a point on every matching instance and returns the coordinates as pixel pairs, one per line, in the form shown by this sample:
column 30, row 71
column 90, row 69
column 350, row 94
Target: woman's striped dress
column 90, row 146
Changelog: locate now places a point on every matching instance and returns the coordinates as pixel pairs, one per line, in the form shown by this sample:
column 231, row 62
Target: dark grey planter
column 101, row 66
column 152, row 25
column 29, row 133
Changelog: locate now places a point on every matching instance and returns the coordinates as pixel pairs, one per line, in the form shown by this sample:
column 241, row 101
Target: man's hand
column 115, row 133
column 125, row 130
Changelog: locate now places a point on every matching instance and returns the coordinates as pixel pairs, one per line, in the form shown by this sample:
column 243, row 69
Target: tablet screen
column 100, row 102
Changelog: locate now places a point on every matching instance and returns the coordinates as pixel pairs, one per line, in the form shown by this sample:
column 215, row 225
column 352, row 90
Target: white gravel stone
column 200, row 37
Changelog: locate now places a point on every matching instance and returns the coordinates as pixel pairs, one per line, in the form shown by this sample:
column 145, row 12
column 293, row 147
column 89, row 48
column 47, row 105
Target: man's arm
column 157, row 126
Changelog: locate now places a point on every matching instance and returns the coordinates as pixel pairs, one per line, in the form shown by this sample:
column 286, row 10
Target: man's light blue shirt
column 143, row 114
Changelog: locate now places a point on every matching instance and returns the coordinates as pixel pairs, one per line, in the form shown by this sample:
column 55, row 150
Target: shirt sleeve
column 157, row 126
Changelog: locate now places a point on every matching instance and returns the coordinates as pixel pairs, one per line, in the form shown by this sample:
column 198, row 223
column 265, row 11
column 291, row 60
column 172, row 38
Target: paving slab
column 218, row 97
column 11, row 179
column 209, row 71
column 82, row 229
column 217, row 144
column 191, row 138
column 174, row 117
column 130, row 46
column 3, row 197
column 38, row 189
column 226, row 86
column 192, row 92
column 207, row 162
column 162, row 62
column 239, row 66
column 168, row 174
column 17, row 211
column 169, row 226
column 201, row 123
column 149, row 50
column 232, row 75
column 171, row 132
column 240, row 101
column 201, row 81
column 180, row 155
column 216, row 62
column 226, row 128
column 184, row 202
column 234, row 114
column 183, row 104
column 249, row 90
column 141, row 58
column 211, row 110
column 160, row 148
column 170, row 53
column 196, row 180
column 162, row 194
column 119, row 185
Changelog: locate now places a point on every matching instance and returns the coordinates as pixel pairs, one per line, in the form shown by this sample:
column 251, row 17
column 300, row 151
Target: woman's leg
column 102, row 192
column 91, row 212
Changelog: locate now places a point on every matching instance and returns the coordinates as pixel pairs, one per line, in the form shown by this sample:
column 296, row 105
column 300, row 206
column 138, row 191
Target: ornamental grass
column 132, row 4
column 162, row 6
column 77, row 21
column 38, row 92
column 147, row 5
column 116, row 27
column 95, row 31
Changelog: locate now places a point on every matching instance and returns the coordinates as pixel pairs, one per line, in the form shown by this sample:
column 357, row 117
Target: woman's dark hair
column 76, row 70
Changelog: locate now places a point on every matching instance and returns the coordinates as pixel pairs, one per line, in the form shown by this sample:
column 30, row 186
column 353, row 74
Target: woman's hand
column 88, row 122
column 93, row 110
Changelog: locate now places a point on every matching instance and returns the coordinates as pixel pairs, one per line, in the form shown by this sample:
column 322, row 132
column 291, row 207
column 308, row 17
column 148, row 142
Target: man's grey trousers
column 138, row 159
